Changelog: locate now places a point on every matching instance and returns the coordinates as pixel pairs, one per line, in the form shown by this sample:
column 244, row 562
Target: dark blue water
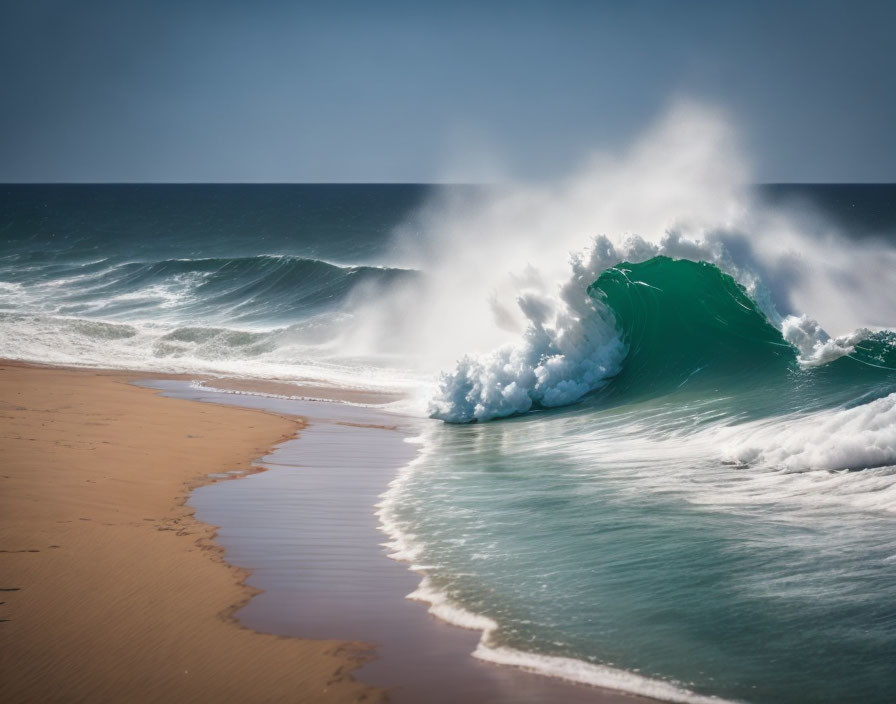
column 239, row 279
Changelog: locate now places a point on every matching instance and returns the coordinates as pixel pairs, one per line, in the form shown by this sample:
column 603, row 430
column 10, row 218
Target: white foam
column 402, row 545
column 588, row 673
column 149, row 346
column 832, row 463
column 848, row 439
column 571, row 347
column 449, row 612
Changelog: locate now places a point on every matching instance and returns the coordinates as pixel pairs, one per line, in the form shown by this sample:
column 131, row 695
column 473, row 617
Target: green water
column 697, row 521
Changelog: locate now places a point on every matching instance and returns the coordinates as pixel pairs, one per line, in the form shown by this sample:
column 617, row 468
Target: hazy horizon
column 379, row 183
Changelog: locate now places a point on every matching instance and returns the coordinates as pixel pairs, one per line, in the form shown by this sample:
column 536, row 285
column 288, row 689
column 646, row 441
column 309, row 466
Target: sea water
column 685, row 488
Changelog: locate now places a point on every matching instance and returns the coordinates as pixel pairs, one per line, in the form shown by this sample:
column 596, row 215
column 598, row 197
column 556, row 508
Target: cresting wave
column 649, row 328
column 796, row 409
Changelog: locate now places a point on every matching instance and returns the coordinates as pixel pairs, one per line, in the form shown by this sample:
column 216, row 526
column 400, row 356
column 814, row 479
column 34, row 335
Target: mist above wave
column 505, row 271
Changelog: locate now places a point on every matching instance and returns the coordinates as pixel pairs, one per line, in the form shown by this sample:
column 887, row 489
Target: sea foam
column 847, row 439
column 571, row 346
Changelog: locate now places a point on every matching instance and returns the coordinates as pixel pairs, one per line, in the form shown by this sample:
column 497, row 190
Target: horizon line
column 378, row 183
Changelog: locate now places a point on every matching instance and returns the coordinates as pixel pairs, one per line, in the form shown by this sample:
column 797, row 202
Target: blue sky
column 394, row 91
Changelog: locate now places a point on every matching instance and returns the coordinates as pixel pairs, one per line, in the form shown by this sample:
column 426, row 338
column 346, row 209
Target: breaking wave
column 647, row 329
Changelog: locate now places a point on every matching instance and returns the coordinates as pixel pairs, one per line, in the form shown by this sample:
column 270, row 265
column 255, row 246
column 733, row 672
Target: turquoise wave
column 716, row 514
column 687, row 322
column 690, row 326
column 659, row 327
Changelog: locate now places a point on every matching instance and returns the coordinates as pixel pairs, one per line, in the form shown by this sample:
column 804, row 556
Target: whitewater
column 663, row 450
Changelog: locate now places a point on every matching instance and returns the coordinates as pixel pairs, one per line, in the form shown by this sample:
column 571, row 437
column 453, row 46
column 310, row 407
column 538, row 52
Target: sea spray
column 571, row 346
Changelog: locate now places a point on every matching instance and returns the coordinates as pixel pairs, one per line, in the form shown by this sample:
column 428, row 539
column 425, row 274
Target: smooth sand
column 307, row 530
column 113, row 592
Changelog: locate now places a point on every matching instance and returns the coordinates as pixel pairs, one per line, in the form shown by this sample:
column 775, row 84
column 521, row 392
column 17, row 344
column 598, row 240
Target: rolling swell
column 282, row 288
column 260, row 315
column 263, row 288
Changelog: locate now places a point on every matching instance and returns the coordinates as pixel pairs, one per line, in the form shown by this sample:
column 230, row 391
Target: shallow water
column 580, row 542
column 307, row 530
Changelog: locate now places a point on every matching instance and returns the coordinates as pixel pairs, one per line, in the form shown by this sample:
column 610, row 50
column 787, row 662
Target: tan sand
column 112, row 591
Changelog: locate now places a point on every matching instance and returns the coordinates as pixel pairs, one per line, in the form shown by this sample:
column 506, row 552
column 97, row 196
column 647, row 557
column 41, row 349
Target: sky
column 265, row 91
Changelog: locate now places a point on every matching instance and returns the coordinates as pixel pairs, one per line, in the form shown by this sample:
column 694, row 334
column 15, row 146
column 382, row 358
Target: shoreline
column 328, row 572
column 607, row 680
column 364, row 672
column 113, row 590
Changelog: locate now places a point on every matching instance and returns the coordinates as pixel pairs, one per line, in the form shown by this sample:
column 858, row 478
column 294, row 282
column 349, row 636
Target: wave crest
column 572, row 346
column 648, row 326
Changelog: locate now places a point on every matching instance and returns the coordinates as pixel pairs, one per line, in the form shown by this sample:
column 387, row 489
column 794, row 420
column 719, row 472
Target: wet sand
column 306, row 530
column 307, row 390
column 112, row 591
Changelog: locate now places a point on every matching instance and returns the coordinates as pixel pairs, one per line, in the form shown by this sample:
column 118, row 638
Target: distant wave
column 263, row 288
column 265, row 315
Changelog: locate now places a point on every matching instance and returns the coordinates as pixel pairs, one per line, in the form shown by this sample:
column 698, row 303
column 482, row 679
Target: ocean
column 661, row 453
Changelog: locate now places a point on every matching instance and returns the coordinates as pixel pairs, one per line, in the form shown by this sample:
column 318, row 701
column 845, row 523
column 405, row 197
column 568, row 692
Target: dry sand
column 112, row 591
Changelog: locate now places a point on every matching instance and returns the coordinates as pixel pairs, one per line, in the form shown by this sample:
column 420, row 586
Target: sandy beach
column 112, row 591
